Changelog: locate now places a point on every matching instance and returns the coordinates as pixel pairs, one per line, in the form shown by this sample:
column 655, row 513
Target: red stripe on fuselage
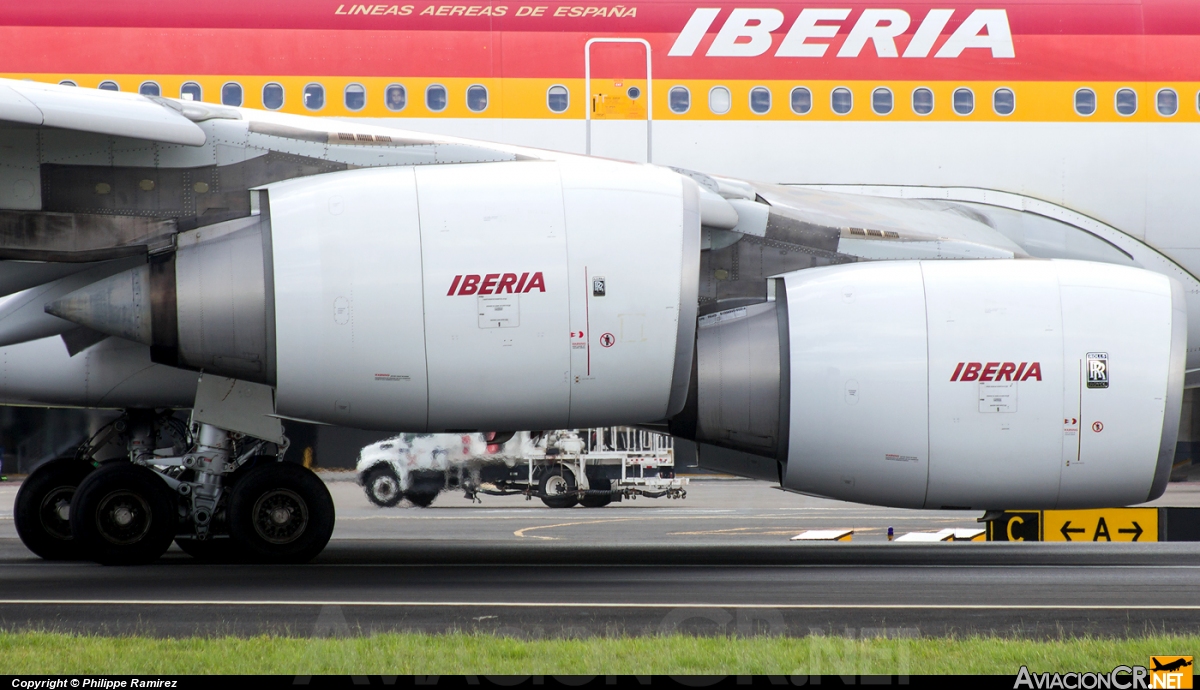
column 653, row 16
column 1068, row 40
column 534, row 55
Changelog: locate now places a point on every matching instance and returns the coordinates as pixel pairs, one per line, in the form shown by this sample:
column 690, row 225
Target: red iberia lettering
column 496, row 284
column 972, row 371
column 489, row 281
column 537, row 281
column 997, row 371
column 989, row 371
column 1034, row 372
column 470, row 285
column 953, row 377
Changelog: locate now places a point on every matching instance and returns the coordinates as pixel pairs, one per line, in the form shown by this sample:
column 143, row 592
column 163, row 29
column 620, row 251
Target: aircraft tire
column 597, row 500
column 281, row 513
column 382, row 486
column 42, row 508
column 124, row 514
column 555, row 487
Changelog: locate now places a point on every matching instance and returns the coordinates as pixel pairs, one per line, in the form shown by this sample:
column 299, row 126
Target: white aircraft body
column 944, row 274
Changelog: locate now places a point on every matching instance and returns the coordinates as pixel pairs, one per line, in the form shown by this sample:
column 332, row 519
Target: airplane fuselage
column 1092, row 107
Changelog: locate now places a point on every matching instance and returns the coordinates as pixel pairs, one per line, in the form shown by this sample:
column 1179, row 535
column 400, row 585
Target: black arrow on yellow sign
column 1136, row 531
column 1067, row 532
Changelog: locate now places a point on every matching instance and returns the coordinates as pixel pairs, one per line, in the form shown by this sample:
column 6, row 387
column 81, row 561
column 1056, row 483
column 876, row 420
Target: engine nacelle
column 950, row 384
column 508, row 295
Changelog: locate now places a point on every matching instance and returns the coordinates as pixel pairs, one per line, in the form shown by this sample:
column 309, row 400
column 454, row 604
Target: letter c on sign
column 1016, row 520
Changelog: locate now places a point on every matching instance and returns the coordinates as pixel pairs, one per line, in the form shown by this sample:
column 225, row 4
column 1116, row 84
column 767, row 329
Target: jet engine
column 551, row 294
column 450, row 297
column 948, row 384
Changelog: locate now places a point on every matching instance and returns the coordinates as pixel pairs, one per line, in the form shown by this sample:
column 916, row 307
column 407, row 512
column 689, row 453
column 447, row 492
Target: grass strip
column 387, row 654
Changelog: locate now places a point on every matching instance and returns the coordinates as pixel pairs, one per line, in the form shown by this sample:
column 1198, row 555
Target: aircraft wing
column 95, row 179
column 99, row 112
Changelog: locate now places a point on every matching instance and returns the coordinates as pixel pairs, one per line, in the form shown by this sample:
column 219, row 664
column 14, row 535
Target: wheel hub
column 55, row 511
column 385, row 488
column 280, row 516
column 556, row 485
column 123, row 517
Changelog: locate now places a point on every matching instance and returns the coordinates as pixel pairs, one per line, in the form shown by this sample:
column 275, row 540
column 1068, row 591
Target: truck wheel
column 597, row 500
column 124, row 514
column 42, row 510
column 557, row 488
column 383, row 486
column 281, row 513
column 421, row 497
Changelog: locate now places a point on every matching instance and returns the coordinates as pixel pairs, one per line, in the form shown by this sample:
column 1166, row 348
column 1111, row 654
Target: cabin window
column 558, row 98
column 801, row 100
column 272, row 96
column 190, row 91
column 719, row 100
column 1004, row 101
column 109, row 86
column 841, row 100
column 964, row 101
column 1167, row 102
column 395, row 97
column 231, row 94
column 679, row 99
column 354, row 96
column 760, row 100
column 477, row 98
column 435, row 97
column 922, row 101
column 67, row 82
column 149, row 88
column 314, row 96
column 1126, row 102
column 881, row 101
column 1085, row 102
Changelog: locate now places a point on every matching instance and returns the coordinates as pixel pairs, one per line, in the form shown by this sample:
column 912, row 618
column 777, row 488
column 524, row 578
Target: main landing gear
column 221, row 495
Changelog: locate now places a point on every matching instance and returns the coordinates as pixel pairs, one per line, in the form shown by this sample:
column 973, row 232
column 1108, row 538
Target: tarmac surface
column 718, row 562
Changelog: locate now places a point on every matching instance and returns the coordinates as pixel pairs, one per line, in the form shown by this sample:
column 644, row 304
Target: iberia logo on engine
column 997, row 371
column 496, row 283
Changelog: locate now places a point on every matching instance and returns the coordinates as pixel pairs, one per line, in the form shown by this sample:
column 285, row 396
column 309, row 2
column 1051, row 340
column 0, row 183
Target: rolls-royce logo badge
column 1097, row 370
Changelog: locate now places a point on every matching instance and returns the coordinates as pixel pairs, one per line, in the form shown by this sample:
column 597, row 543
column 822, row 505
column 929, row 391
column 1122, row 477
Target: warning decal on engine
column 499, row 311
column 998, row 396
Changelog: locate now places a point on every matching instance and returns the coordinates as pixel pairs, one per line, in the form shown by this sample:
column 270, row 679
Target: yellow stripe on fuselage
column 526, row 98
